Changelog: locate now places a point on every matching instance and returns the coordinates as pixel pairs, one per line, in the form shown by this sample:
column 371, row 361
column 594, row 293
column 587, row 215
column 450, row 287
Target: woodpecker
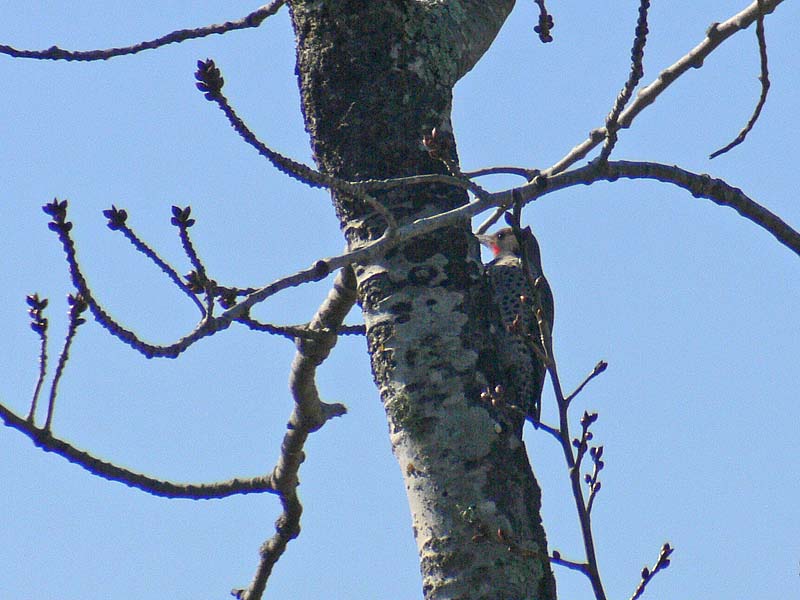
column 522, row 367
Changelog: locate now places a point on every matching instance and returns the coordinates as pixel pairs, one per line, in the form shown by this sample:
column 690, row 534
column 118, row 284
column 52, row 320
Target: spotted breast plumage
column 522, row 368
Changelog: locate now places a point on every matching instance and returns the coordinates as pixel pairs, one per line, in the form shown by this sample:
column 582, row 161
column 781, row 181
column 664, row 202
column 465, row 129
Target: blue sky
column 695, row 309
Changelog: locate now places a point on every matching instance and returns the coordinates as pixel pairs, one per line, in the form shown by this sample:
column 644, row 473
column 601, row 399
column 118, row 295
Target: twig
column 493, row 218
column 514, row 197
column 556, row 558
column 117, row 221
column 573, row 466
column 763, row 78
column 593, row 480
column 39, row 325
column 210, row 82
column 181, row 218
column 647, row 574
column 198, row 279
column 254, row 19
column 528, row 174
column 549, row 429
column 352, row 330
column 298, row 331
column 636, row 74
column 165, row 489
column 598, row 368
column 545, row 23
column 582, row 444
column 699, row 185
column 562, row 435
column 207, row 326
column 309, row 414
column 717, row 33
column 77, row 307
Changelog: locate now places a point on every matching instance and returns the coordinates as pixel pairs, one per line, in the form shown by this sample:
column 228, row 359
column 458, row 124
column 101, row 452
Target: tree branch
column 648, row 574
column 117, row 221
column 763, row 78
column 165, row 489
column 717, row 33
column 39, row 325
column 254, row 19
column 309, row 414
column 210, row 82
column 598, row 369
column 291, row 332
column 590, row 567
column 700, row 185
column 77, row 307
column 636, row 74
column 703, row 186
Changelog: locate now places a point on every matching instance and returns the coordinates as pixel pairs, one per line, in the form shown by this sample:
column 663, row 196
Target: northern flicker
column 522, row 367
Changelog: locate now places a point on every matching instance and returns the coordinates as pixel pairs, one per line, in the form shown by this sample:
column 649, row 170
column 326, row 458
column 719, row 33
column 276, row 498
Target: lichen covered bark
column 374, row 77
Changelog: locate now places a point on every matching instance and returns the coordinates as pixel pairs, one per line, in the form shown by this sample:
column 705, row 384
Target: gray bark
column 374, row 77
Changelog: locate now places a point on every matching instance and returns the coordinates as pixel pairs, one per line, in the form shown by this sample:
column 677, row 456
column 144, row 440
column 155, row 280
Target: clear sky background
column 694, row 308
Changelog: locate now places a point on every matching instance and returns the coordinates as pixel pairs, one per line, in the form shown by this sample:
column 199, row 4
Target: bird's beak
column 486, row 240
column 489, row 242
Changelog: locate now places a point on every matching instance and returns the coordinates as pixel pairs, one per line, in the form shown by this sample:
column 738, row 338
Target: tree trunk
column 374, row 77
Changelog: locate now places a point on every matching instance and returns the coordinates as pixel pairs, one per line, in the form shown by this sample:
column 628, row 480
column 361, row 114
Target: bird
column 521, row 365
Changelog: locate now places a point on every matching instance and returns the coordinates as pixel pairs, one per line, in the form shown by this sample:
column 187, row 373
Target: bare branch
column 198, row 279
column 763, row 78
column 716, row 190
column 573, row 460
column 717, row 33
column 636, row 74
column 59, row 224
column 352, row 330
column 700, row 185
column 544, row 318
column 516, row 199
column 166, row 489
column 493, row 218
column 598, row 368
column 210, row 82
column 569, row 564
column 181, row 218
column 528, row 174
column 39, row 325
column 309, row 414
column 77, row 307
column 117, row 221
column 593, row 480
column 573, row 466
column 254, row 19
column 292, row 332
column 387, row 184
column 647, row 574
column 207, row 326
column 545, row 24
column 549, row 429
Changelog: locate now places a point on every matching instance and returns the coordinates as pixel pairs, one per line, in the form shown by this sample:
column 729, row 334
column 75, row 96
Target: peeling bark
column 374, row 77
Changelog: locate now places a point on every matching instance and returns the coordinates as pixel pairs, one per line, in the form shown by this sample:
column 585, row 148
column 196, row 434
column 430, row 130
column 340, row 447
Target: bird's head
column 502, row 242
